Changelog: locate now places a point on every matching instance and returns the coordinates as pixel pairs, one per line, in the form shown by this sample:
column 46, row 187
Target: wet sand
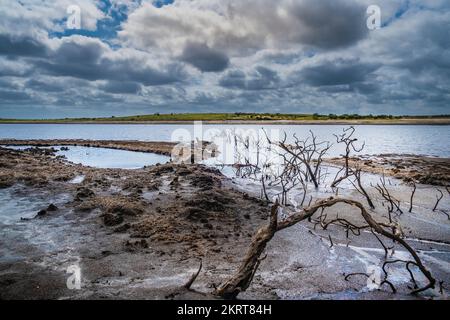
column 141, row 233
column 409, row 168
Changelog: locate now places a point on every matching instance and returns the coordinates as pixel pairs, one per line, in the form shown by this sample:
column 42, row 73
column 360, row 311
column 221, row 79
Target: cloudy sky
column 288, row 56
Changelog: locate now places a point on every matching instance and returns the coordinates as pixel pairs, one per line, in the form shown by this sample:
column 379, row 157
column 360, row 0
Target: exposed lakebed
column 139, row 234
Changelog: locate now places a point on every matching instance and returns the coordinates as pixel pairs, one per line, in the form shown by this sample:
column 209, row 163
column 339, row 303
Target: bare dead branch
column 444, row 213
column 438, row 199
column 386, row 249
column 393, row 203
column 360, row 188
column 188, row 284
column 347, row 139
column 240, row 280
column 412, row 196
column 308, row 152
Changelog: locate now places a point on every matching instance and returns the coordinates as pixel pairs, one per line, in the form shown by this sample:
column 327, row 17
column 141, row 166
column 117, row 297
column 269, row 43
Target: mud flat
column 142, row 233
column 420, row 169
column 163, row 148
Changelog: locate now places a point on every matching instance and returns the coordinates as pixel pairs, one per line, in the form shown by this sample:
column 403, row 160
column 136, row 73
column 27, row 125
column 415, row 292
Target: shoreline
column 445, row 121
column 158, row 147
column 406, row 167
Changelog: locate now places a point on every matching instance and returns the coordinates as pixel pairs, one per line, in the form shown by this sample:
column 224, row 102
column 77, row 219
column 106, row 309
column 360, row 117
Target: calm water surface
column 414, row 139
column 107, row 158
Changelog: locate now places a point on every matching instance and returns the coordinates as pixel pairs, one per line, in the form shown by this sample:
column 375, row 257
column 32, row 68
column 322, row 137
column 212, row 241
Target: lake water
column 412, row 139
column 107, row 158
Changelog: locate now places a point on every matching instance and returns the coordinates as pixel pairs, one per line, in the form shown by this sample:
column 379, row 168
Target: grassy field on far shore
column 245, row 117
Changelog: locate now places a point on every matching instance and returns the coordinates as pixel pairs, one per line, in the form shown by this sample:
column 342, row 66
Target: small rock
column 140, row 243
column 83, row 192
column 41, row 213
column 208, row 226
column 112, row 219
column 122, row 228
column 52, row 207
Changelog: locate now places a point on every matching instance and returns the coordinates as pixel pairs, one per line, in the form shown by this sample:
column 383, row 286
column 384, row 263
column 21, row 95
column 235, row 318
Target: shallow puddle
column 106, row 158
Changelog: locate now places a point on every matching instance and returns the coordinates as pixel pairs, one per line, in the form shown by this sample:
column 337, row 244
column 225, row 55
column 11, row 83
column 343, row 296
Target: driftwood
column 241, row 280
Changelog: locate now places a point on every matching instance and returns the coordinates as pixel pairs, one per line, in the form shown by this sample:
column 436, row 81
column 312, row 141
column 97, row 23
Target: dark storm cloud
column 22, row 46
column 42, row 86
column 338, row 72
column 329, row 24
column 282, row 58
column 7, row 84
column 13, row 96
column 87, row 60
column 258, row 79
column 426, row 50
column 108, row 69
column 121, row 87
column 204, row 58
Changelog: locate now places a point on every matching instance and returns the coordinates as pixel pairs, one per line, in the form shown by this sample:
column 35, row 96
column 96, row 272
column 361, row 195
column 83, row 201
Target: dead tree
column 347, row 139
column 241, row 280
column 292, row 176
column 308, row 152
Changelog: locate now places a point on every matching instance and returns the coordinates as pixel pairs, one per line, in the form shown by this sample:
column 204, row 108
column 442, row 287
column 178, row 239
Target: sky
column 169, row 56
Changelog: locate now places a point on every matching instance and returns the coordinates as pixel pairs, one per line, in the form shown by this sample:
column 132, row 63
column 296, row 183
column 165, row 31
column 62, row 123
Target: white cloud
column 243, row 27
